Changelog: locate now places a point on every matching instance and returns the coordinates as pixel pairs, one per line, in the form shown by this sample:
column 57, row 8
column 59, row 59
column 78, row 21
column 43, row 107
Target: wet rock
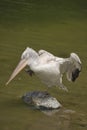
column 41, row 100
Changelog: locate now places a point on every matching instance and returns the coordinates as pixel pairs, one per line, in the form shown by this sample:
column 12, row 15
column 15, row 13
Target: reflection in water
column 55, row 119
column 63, row 117
column 59, row 110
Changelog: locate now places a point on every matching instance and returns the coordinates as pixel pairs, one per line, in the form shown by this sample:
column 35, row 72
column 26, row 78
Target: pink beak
column 19, row 67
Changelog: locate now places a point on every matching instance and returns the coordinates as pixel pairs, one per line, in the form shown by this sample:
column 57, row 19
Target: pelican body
column 49, row 68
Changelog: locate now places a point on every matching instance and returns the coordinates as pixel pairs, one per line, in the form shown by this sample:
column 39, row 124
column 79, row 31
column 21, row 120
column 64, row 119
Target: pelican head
column 23, row 62
column 75, row 67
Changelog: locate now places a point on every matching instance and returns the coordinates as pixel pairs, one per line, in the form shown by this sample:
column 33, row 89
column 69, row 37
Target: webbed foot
column 63, row 87
column 30, row 72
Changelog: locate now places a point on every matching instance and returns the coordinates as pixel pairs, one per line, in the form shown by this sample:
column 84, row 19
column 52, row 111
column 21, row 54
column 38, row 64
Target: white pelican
column 49, row 68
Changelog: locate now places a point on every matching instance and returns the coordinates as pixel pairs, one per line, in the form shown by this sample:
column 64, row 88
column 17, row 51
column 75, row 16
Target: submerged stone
column 41, row 100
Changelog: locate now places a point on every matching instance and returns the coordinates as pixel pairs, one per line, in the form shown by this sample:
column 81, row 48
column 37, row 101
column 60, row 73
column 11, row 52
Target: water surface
column 56, row 26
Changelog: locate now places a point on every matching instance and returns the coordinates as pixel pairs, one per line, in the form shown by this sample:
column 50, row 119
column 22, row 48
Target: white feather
column 50, row 68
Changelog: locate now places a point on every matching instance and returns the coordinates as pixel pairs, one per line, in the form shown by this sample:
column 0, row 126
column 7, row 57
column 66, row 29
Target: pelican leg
column 61, row 85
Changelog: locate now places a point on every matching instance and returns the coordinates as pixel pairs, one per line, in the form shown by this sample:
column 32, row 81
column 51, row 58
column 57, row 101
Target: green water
column 58, row 26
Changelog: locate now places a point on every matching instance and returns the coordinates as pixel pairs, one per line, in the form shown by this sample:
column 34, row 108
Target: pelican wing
column 41, row 52
column 45, row 57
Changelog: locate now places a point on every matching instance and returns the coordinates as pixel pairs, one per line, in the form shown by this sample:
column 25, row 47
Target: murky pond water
column 56, row 26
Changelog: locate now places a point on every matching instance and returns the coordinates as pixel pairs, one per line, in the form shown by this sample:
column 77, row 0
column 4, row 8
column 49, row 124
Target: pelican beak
column 19, row 67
